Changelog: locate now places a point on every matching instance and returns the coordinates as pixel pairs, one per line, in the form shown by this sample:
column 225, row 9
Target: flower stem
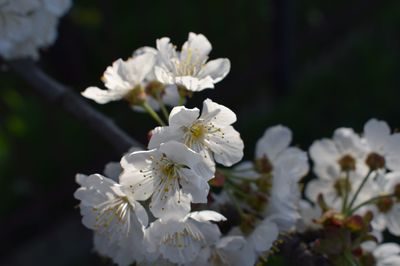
column 346, row 192
column 372, row 200
column 181, row 101
column 153, row 114
column 163, row 108
column 359, row 190
column 235, row 203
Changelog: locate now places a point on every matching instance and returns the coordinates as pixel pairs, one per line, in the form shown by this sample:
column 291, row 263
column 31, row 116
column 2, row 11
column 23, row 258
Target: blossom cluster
column 29, row 25
column 189, row 199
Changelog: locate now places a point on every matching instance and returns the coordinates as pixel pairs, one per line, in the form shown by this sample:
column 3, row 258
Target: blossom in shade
column 189, row 67
column 229, row 250
column 117, row 219
column 383, row 146
column 180, row 240
column 386, row 254
column 386, row 210
column 209, row 134
column 273, row 152
column 172, row 175
column 339, row 166
column 29, row 25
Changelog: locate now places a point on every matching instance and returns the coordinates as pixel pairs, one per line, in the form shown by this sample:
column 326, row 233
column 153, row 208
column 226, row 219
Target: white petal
column 227, row 148
column 294, row 162
column 223, row 115
column 134, row 176
column 182, row 116
column 104, row 96
column 217, row 69
column 324, row 152
column 377, row 133
column 161, row 135
column 194, row 83
column 386, row 250
column 393, row 152
column 194, row 185
column 264, row 236
column 171, row 96
column 197, row 47
column 163, row 76
column 58, row 7
column 273, row 142
column 204, row 216
column 173, row 203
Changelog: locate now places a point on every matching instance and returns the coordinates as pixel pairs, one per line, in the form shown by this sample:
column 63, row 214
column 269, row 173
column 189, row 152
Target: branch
column 64, row 97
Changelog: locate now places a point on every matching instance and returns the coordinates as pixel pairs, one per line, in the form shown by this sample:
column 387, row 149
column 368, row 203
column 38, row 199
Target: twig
column 62, row 96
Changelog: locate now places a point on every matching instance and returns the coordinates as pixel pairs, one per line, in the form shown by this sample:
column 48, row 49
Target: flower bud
column 375, row 161
column 347, row 163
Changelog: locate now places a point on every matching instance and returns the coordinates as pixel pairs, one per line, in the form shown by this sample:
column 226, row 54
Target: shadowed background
column 312, row 66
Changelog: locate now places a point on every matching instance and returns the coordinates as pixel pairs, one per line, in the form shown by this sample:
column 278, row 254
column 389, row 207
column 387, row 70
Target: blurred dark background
column 311, row 65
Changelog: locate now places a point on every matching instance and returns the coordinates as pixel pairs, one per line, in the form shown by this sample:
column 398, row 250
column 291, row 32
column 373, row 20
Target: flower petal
column 216, row 69
column 273, row 142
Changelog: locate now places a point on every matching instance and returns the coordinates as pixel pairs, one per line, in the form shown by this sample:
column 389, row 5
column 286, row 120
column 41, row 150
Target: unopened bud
column 375, row 161
column 347, row 163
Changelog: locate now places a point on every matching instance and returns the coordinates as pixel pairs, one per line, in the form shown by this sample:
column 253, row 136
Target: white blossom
column 382, row 145
column 273, row 149
column 180, row 240
column 334, row 159
column 133, row 80
column 227, row 251
column 117, row 219
column 26, row 26
column 189, row 67
column 386, row 211
column 386, row 254
column 210, row 133
column 172, row 175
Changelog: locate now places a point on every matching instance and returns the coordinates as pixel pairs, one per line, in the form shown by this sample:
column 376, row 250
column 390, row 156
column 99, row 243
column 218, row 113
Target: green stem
column 235, row 203
column 231, row 185
column 359, row 190
column 163, row 108
column 346, row 192
column 181, row 100
column 370, row 201
column 153, row 114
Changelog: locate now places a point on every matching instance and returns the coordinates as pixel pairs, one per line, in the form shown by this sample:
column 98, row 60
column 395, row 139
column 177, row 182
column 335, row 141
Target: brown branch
column 65, row 98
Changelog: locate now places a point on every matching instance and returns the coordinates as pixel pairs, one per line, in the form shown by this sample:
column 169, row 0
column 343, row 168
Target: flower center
column 182, row 239
column 347, row 163
column 375, row 161
column 113, row 211
column 385, row 204
column 187, row 66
